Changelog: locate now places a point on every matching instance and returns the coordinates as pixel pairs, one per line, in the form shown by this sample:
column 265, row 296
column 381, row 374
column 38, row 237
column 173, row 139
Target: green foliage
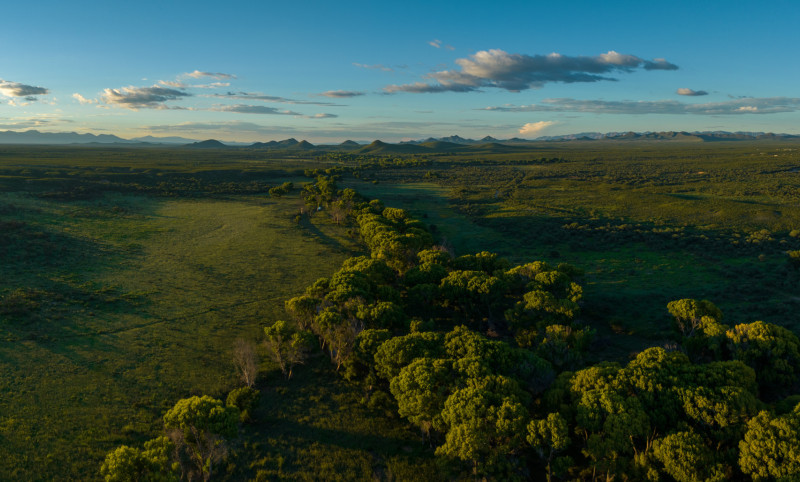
column 245, row 399
column 421, row 389
column 689, row 314
column 485, row 423
column 199, row 427
column 286, row 346
column 772, row 351
column 199, row 417
column 686, row 457
column 771, row 447
column 400, row 351
column 125, row 464
column 548, row 436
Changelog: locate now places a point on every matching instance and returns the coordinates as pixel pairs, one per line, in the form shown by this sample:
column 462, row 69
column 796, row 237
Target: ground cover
column 129, row 303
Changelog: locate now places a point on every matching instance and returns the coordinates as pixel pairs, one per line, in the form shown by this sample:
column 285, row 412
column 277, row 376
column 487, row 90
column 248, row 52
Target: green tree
column 245, row 399
column 549, row 436
column 400, row 351
column 485, row 423
column 686, row 457
column 421, row 389
column 689, row 313
column 287, row 347
column 199, row 427
column 154, row 463
column 771, row 447
column 772, row 351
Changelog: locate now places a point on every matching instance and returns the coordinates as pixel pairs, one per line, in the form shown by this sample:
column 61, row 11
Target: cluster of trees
column 487, row 361
column 197, row 433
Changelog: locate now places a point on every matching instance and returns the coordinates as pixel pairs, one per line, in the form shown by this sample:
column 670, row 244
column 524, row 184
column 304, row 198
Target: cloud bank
column 516, row 72
column 747, row 105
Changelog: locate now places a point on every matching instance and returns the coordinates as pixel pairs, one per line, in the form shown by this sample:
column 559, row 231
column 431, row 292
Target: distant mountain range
column 593, row 136
column 453, row 143
column 36, row 137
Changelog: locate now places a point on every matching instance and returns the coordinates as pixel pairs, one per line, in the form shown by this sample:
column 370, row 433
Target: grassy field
column 127, row 274
column 648, row 223
column 127, row 303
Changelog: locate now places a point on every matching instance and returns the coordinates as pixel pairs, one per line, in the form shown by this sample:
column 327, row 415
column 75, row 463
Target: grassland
column 126, row 275
column 116, row 306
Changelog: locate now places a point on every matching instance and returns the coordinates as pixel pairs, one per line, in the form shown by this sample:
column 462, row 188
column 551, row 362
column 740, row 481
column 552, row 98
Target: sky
column 246, row 71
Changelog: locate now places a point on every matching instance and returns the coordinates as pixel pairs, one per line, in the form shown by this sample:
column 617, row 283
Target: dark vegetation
column 540, row 315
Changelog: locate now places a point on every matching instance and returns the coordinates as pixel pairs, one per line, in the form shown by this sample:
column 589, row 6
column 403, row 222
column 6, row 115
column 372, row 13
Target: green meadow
column 127, row 274
column 117, row 306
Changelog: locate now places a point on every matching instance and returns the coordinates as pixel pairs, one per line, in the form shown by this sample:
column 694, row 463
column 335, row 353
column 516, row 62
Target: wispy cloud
column 83, row 100
column 264, row 110
column 134, row 98
column 339, row 94
column 748, row 105
column 268, row 98
column 197, row 74
column 436, row 43
column 374, row 67
column 516, row 72
column 690, row 92
column 533, row 128
column 177, row 84
column 254, row 109
column 15, row 89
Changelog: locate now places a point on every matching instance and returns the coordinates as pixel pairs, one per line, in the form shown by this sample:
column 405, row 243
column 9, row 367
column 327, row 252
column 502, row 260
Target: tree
column 154, row 463
column 485, row 423
column 421, row 389
column 303, row 309
column 771, row 447
column 245, row 399
column 772, row 351
column 686, row 457
column 689, row 313
column 245, row 360
column 398, row 352
column 548, row 436
column 199, row 426
column 287, row 346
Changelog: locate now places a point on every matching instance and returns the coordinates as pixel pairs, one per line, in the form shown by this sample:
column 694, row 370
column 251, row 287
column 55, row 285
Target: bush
column 245, row 399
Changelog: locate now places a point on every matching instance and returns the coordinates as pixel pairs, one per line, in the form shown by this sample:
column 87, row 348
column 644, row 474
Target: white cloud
column 516, row 72
column 341, row 93
column 15, row 89
column 532, row 128
column 690, row 92
column 254, row 109
column 268, row 98
column 214, row 75
column 83, row 100
column 134, row 98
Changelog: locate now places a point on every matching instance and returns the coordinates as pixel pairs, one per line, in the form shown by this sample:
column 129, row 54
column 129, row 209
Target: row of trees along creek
column 486, row 360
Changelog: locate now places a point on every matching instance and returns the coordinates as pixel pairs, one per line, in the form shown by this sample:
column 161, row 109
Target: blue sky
column 326, row 71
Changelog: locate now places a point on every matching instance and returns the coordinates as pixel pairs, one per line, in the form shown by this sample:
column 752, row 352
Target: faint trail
column 167, row 320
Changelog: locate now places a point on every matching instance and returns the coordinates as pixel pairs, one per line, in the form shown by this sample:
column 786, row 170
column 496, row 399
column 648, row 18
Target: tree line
column 487, row 361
